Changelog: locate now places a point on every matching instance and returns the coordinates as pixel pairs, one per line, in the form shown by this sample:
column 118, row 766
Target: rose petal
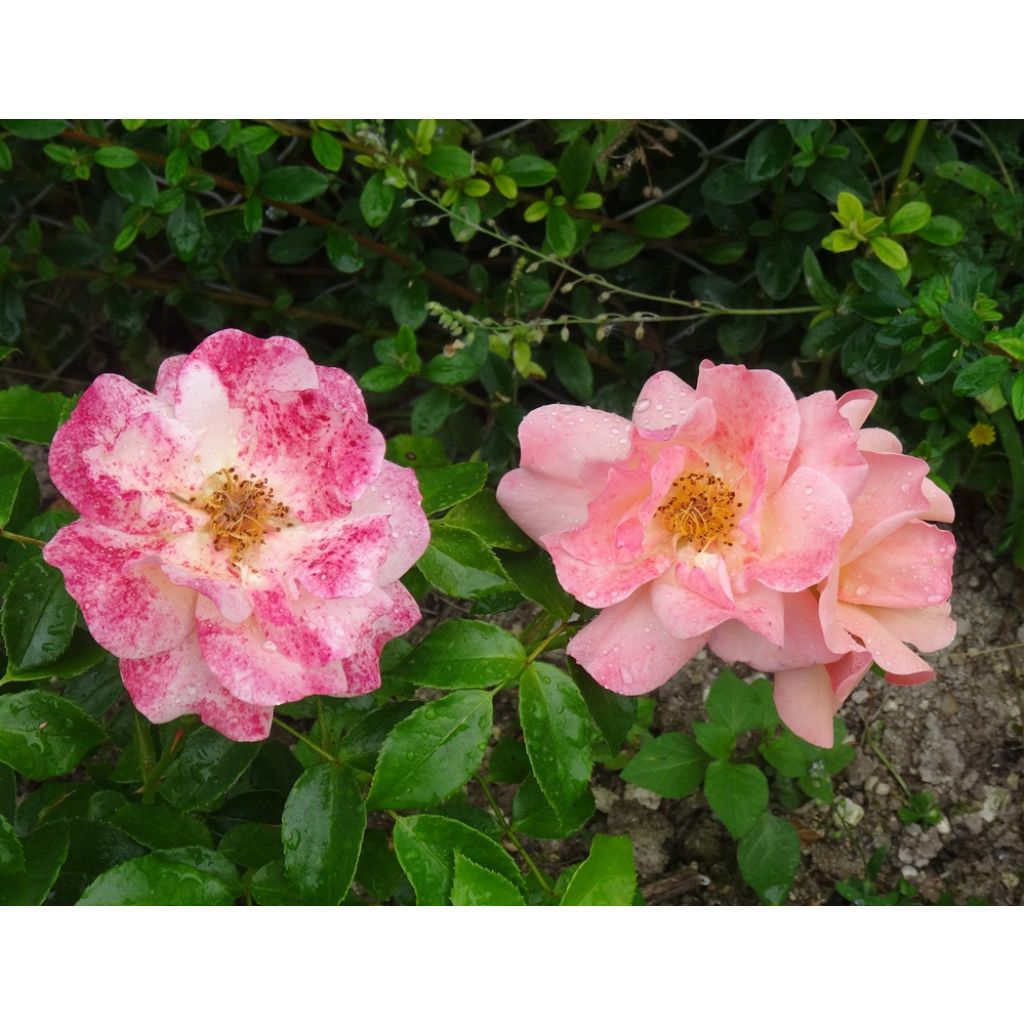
column 856, row 406
column 131, row 608
column 806, row 703
column 341, row 391
column 539, row 505
column 885, row 647
column 626, row 649
column 828, row 444
column 560, row 441
column 928, row 629
column 178, row 682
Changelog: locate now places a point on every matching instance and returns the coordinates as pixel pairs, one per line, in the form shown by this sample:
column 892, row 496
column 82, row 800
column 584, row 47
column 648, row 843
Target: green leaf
column 942, row 230
column 971, row 178
column 426, row 845
column 461, row 366
column 7, row 161
column 38, row 616
column 293, row 184
column 12, row 314
column 411, row 451
column 376, row 200
column 533, row 575
column 361, row 747
column 458, row 563
column 433, row 752
column 476, row 886
column 207, row 767
column 185, row 229
column 788, row 754
column 383, row 378
column 483, row 516
column 980, row 375
column 964, row 321
column 613, row 713
column 612, row 249
column 159, row 827
column 431, row 409
column 733, row 704
column 29, row 415
column 737, row 793
column 343, row 252
column 115, row 156
column 831, row 177
column 890, row 252
column 43, row 735
column 12, row 856
column 135, row 183
column 45, row 851
column 560, row 232
column 661, row 221
column 509, row 763
column 714, row 738
column 328, row 151
column 729, row 186
column 449, row 162
column 534, row 816
column 1017, row 396
column 296, row 245
column 271, row 887
column 573, row 370
column 910, row 218
column 671, row 765
column 778, row 264
column 322, row 828
column 769, row 855
column 448, row 485
column 555, row 725
column 817, row 284
column 575, row 167
column 529, row 171
column 460, row 654
column 251, row 844
column 34, row 130
column 15, row 470
column 607, row 878
column 189, row 876
column 767, row 154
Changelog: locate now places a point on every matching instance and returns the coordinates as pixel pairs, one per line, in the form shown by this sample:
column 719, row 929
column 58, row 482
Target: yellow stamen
column 981, row 434
column 700, row 508
column 240, row 511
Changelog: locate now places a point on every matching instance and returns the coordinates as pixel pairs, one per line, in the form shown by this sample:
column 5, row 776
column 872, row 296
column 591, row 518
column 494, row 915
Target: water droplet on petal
column 269, row 645
column 643, row 405
column 861, row 590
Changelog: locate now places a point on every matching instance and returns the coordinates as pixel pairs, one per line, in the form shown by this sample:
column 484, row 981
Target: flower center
column 240, row 511
column 700, row 508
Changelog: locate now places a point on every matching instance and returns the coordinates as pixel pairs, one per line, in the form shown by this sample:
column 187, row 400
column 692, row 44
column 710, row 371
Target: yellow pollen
column 700, row 508
column 240, row 511
column 981, row 434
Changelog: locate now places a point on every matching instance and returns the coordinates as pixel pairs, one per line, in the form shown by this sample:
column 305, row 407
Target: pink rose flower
column 716, row 517
column 241, row 534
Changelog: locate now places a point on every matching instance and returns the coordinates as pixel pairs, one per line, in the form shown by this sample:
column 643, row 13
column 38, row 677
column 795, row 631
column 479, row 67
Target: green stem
column 546, row 642
column 147, row 755
column 542, row 879
column 1009, row 435
column 877, row 750
column 305, row 739
column 913, row 144
column 321, row 721
column 7, row 535
column 170, row 752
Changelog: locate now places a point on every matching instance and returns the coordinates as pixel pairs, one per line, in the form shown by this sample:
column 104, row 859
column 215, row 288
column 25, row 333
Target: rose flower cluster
column 241, row 534
column 779, row 531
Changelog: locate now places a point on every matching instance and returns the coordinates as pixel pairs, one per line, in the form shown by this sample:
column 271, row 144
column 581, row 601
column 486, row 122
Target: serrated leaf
column 207, row 767
column 188, row 876
column 671, row 765
column 43, row 735
column 476, row 886
column 433, row 752
column 44, row 851
column 462, row 654
column 426, row 845
column 737, row 793
column 483, row 516
column 534, row 577
column 769, row 855
column 555, row 723
column 607, row 878
column 322, row 828
column 733, row 704
column 38, row 616
column 613, row 713
column 448, row 485
column 159, row 827
column 458, row 563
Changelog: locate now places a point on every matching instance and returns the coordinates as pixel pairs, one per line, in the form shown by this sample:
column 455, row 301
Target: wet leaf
column 207, row 767
column 476, row 886
column 464, row 654
column 189, row 876
column 38, row 624
column 43, row 735
column 448, row 485
column 607, row 878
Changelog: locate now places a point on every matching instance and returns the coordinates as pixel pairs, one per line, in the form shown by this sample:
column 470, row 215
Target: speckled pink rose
column 241, row 534
column 720, row 515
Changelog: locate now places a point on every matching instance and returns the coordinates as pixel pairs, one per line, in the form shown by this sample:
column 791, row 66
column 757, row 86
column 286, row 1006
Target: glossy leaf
column 293, row 184
column 671, row 765
column 322, row 831
column 483, row 516
column 458, row 563
column 207, row 767
column 607, row 878
column 190, row 876
column 464, row 654
column 37, row 627
column 43, row 735
column 476, row 886
column 44, row 851
column 433, row 752
column 448, row 485
column 30, row 415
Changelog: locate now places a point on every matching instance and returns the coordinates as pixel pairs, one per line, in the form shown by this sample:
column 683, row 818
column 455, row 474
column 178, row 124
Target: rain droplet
column 808, row 490
column 643, row 405
column 269, row 645
column 861, row 590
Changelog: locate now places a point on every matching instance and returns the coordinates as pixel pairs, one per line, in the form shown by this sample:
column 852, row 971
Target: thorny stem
column 913, row 144
column 545, row 884
column 305, row 739
column 7, row 535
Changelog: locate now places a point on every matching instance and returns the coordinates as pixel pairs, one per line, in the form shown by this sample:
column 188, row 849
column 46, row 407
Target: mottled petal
column 341, row 391
column 179, row 682
column 626, row 649
column 131, row 608
column 121, row 458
